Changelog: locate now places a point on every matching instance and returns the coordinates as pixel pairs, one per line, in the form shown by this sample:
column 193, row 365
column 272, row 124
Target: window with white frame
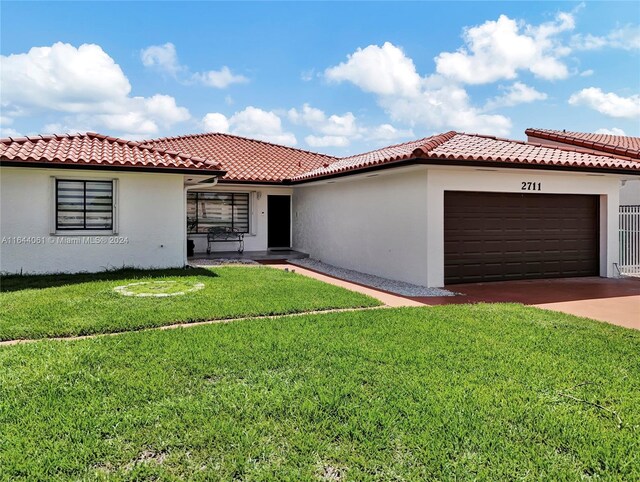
column 84, row 205
column 207, row 210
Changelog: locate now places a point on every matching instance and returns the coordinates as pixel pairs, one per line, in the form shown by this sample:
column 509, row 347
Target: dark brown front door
column 503, row 236
column 279, row 221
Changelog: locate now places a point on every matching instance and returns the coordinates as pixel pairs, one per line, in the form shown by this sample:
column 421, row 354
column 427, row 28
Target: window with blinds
column 84, row 205
column 217, row 209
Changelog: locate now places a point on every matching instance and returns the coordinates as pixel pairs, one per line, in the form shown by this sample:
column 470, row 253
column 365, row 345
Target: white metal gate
column 629, row 240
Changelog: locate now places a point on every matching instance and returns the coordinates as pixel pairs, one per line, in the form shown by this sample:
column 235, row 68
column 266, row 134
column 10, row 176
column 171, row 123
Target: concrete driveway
column 615, row 301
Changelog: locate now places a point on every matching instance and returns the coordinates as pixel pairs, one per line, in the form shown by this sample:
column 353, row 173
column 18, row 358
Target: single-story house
column 447, row 208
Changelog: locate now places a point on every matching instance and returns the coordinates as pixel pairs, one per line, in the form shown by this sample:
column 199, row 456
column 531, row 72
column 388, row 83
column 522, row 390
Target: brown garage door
column 500, row 236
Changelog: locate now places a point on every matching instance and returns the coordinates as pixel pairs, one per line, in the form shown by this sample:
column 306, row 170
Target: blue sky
column 330, row 77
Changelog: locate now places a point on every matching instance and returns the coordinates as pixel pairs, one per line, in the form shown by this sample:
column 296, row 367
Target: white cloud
column 381, row 70
column 327, row 141
column 260, row 124
column 517, row 93
column 64, row 78
column 216, row 122
column 143, row 117
column 586, row 73
column 134, row 122
column 162, row 57
column 334, row 125
column 251, row 122
column 5, row 120
column 165, row 58
column 588, row 42
column 446, row 107
column 219, row 79
column 147, row 115
column 9, row 132
column 339, row 130
column 625, row 38
column 492, row 51
column 608, row 103
column 87, row 86
column 326, row 130
column 387, row 133
column 499, row 49
column 432, row 102
column 340, row 125
column 164, row 109
column 307, row 115
column 53, row 128
column 614, row 131
column 65, row 128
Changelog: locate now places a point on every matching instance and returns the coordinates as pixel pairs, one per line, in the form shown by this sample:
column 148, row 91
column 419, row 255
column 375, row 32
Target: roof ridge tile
column 393, row 146
column 433, row 143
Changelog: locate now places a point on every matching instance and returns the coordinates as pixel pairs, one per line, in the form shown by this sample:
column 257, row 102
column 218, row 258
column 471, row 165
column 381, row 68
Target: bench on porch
column 224, row 234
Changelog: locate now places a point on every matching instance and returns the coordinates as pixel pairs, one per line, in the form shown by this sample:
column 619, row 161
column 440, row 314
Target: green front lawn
column 62, row 305
column 470, row 392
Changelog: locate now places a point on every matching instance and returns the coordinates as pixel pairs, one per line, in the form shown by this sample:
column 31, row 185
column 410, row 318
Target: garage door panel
column 493, row 236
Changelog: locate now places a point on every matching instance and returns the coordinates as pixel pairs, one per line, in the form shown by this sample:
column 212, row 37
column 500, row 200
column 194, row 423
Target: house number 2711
column 531, row 186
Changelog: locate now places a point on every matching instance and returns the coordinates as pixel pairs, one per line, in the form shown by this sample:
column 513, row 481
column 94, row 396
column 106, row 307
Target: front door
column 279, row 221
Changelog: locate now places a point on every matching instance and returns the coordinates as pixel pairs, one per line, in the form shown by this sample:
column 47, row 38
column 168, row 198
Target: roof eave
column 99, row 167
column 467, row 163
column 273, row 182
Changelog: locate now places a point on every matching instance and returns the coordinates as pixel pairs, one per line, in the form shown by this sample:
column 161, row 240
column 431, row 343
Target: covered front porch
column 231, row 221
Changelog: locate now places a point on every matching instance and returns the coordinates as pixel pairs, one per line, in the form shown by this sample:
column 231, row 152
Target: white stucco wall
column 256, row 240
column 149, row 222
column 375, row 225
column 392, row 225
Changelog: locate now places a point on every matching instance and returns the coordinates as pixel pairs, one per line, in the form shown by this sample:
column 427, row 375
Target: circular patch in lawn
column 158, row 289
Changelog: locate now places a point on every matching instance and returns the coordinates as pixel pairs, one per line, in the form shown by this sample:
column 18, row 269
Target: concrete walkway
column 615, row 301
column 388, row 299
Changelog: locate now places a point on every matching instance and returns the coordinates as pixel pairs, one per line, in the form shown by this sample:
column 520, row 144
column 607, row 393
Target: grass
column 66, row 305
column 468, row 392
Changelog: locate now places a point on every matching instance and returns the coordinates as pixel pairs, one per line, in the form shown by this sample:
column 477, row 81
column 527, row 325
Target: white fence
column 629, row 240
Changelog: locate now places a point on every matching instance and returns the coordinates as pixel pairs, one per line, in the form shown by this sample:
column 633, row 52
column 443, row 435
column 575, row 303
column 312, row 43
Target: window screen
column 217, row 209
column 84, row 205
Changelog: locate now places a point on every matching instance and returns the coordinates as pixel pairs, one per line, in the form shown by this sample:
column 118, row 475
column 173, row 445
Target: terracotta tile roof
column 244, row 159
column 625, row 146
column 470, row 148
column 251, row 160
column 385, row 155
column 93, row 149
column 475, row 147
